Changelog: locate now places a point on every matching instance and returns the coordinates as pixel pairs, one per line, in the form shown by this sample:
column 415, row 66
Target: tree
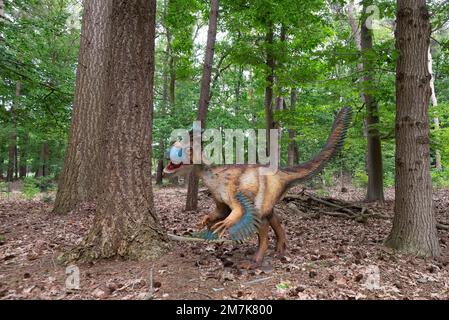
column 292, row 145
column 192, row 192
column 167, row 66
column 23, row 167
column 125, row 223
column 12, row 148
column 42, row 169
column 39, row 46
column 79, row 179
column 270, row 65
column 414, row 226
column 375, row 190
column 364, row 43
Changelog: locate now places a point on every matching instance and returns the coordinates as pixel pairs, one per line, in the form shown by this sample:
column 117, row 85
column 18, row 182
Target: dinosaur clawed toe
column 221, row 227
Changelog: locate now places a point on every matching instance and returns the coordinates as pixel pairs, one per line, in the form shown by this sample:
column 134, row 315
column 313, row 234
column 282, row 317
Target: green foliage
column 39, row 48
column 4, row 187
column 46, row 184
column 361, row 179
column 328, row 177
column 33, row 186
column 30, row 187
column 440, row 179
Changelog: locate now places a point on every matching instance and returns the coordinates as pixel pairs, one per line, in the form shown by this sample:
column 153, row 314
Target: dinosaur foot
column 250, row 265
column 281, row 249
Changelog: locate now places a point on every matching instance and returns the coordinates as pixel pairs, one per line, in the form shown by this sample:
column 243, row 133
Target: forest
column 120, row 178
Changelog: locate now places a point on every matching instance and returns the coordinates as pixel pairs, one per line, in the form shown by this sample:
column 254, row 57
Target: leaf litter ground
column 328, row 257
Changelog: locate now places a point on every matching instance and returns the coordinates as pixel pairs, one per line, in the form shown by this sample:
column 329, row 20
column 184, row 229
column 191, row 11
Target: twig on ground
column 256, row 281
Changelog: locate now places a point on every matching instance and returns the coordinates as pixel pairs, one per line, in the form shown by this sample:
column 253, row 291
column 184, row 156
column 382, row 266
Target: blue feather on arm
column 243, row 229
column 248, row 224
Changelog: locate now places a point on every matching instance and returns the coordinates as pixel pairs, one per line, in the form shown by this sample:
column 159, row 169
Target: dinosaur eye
column 176, row 155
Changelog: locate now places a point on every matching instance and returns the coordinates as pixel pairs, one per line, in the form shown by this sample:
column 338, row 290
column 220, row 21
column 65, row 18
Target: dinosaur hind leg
column 263, row 246
column 281, row 240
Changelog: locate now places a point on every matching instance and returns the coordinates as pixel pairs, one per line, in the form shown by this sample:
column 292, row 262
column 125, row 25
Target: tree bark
column 192, row 191
column 1, row 164
column 375, row 190
column 355, row 31
column 172, row 81
column 44, row 156
column 270, row 64
column 280, row 101
column 82, row 166
column 23, row 168
column 125, row 224
column 11, row 159
column 414, row 226
column 12, row 148
column 160, row 164
column 293, row 156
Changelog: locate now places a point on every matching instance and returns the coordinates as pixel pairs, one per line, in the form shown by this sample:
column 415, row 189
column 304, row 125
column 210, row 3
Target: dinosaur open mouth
column 171, row 167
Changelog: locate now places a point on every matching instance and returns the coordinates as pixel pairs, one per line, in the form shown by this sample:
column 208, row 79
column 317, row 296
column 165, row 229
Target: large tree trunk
column 192, row 191
column 292, row 145
column 82, row 166
column 125, row 224
column 375, row 190
column 44, row 156
column 414, row 226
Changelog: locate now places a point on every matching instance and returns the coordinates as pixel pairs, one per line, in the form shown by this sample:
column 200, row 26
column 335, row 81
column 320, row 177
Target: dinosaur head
column 178, row 156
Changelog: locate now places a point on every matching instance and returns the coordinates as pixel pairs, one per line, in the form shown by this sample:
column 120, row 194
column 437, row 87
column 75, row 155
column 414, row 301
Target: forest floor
column 328, row 257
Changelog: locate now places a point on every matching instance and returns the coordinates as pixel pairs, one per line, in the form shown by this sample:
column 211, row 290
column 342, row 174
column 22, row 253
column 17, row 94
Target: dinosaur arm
column 235, row 215
column 243, row 221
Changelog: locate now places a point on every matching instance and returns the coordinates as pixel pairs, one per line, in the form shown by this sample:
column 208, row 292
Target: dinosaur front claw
column 221, row 227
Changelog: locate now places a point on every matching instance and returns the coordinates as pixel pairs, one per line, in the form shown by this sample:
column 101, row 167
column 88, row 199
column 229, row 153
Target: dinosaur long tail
column 334, row 143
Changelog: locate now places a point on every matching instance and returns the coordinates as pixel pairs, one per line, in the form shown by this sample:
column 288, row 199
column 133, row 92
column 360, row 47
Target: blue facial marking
column 176, row 155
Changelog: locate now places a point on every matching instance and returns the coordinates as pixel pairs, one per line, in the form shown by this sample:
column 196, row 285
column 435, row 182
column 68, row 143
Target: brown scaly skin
column 265, row 190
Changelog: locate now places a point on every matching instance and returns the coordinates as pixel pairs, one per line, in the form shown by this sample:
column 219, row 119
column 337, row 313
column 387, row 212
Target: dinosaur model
column 245, row 197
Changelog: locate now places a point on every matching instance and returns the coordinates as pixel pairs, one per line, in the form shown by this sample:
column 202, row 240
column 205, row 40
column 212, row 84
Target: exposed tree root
column 311, row 206
column 441, row 226
column 143, row 245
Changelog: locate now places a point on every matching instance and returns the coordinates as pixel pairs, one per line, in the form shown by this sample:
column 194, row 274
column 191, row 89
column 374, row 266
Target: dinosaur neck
column 201, row 170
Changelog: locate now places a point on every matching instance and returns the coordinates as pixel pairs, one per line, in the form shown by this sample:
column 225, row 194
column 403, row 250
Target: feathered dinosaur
column 245, row 197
